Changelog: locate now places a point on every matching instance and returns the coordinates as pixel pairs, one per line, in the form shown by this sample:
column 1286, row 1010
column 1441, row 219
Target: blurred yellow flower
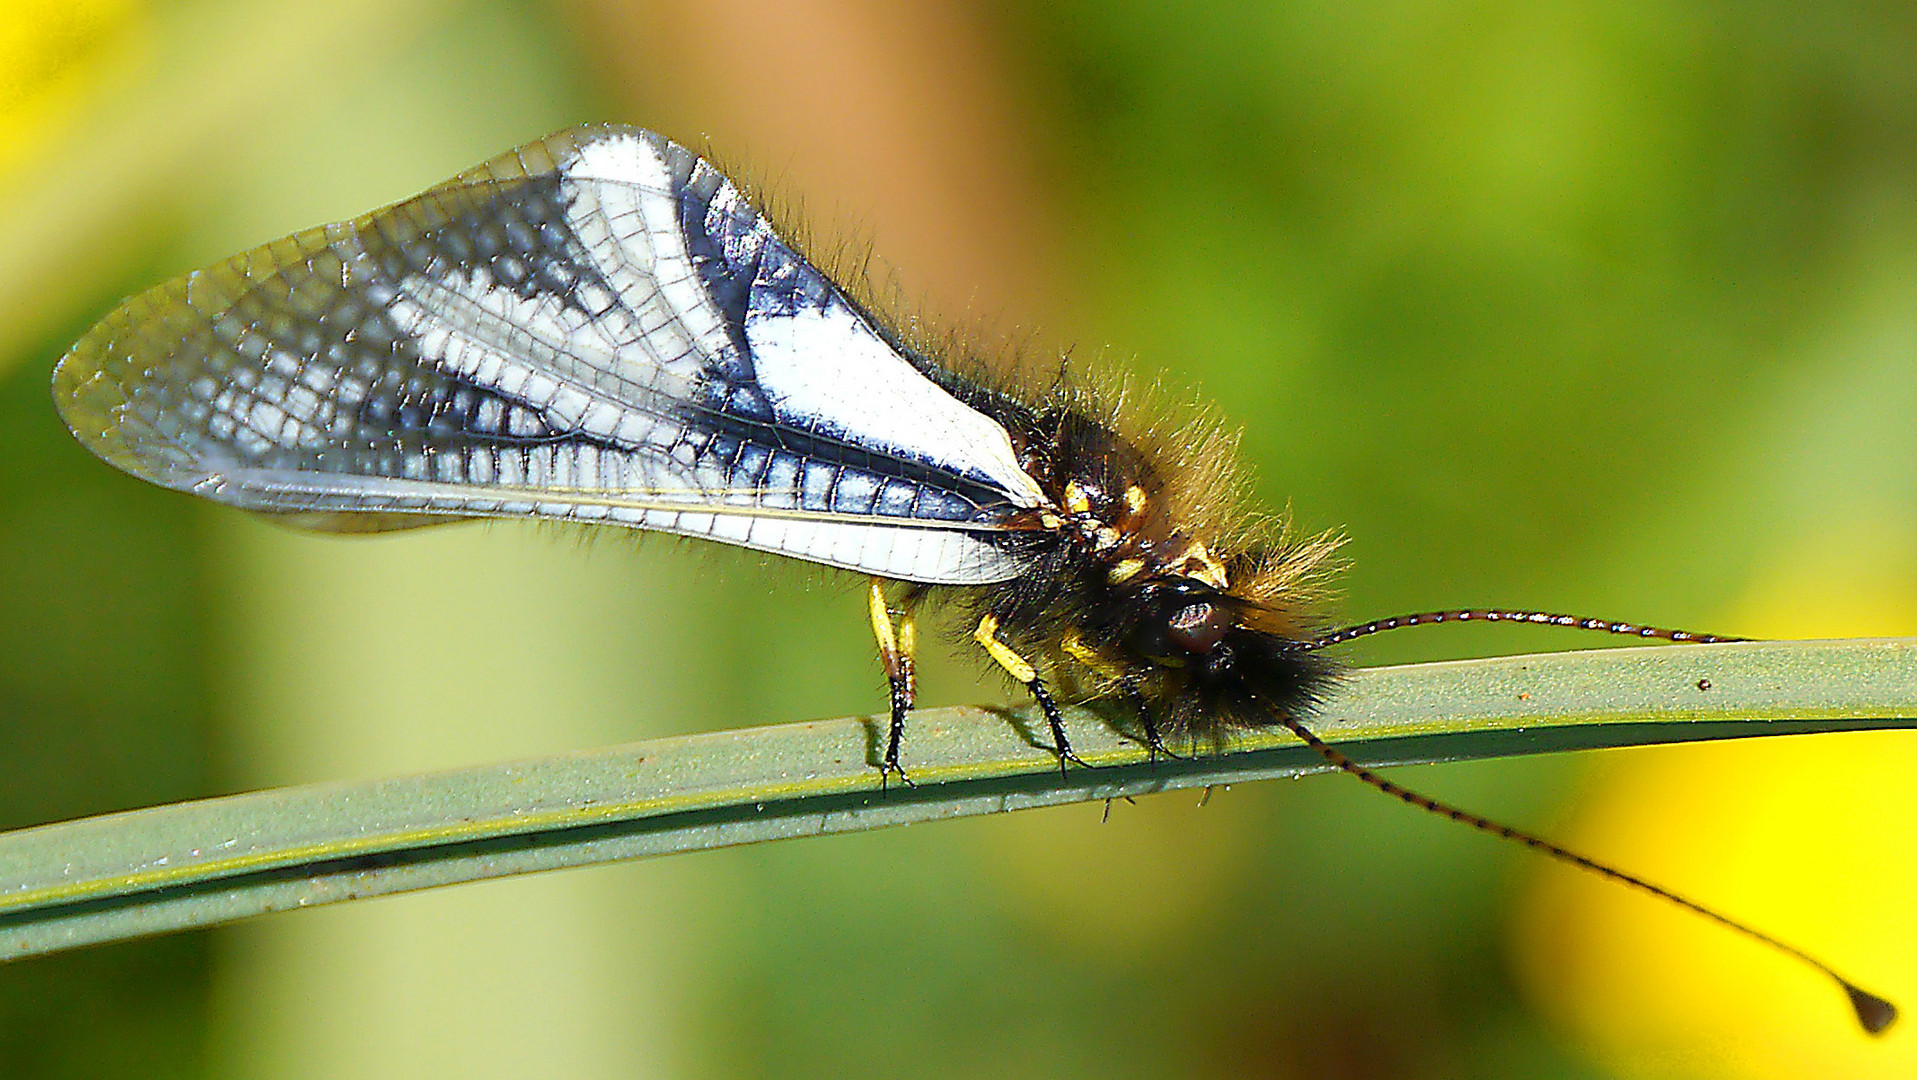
column 58, row 57
column 1806, row 838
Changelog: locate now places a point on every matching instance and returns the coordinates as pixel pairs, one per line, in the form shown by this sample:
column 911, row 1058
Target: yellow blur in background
column 1569, row 306
column 1800, row 836
column 57, row 59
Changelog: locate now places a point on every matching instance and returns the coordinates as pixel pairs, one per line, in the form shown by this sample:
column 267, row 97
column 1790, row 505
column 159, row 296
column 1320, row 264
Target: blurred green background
column 1603, row 307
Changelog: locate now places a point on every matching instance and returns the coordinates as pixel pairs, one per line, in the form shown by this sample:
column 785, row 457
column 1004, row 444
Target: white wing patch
column 827, row 366
column 624, row 213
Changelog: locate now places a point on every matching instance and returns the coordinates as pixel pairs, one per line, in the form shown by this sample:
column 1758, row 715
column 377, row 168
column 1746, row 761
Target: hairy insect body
column 601, row 327
column 1126, row 596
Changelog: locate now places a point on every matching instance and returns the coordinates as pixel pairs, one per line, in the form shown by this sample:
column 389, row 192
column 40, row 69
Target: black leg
column 1021, row 669
column 896, row 647
column 1061, row 745
column 900, row 676
column 1154, row 742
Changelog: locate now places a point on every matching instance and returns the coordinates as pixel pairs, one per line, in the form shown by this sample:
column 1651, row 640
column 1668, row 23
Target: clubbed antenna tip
column 1873, row 1012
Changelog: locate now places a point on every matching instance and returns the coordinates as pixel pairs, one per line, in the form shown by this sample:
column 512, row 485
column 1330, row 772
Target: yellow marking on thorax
column 1080, row 651
column 1075, row 498
column 1076, row 648
column 1124, row 570
column 1134, row 498
column 1197, row 562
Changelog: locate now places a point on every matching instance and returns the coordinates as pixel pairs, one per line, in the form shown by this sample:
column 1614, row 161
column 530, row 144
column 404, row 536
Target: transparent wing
column 596, row 326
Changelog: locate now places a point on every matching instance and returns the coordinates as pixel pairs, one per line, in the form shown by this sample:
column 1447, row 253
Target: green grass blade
column 201, row 863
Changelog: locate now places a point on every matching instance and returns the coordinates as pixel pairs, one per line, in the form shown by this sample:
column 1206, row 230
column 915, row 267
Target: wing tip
column 94, row 388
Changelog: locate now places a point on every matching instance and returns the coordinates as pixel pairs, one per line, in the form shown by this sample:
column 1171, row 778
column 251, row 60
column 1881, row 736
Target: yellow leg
column 1021, row 669
column 1015, row 665
column 882, row 620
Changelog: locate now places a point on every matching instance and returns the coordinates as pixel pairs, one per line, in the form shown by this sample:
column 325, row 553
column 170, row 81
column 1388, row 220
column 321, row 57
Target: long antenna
column 1537, row 618
column 1874, row 1013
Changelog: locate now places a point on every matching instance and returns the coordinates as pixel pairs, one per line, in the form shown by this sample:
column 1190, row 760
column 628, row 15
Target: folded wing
column 594, row 327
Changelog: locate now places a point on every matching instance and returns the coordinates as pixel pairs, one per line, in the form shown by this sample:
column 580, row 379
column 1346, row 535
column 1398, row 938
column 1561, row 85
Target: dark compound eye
column 1199, row 627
